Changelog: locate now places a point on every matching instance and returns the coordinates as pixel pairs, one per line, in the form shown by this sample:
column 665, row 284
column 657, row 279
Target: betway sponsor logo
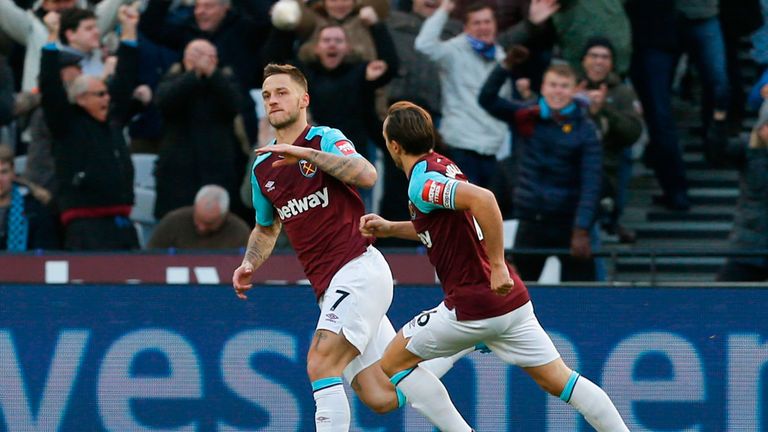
column 298, row 206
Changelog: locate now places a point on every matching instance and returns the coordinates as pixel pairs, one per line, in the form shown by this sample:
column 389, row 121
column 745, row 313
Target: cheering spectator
column 78, row 33
column 93, row 165
column 199, row 102
column 473, row 136
column 354, row 17
column 25, row 223
column 27, row 29
column 615, row 110
column 238, row 41
column 206, row 225
column 560, row 165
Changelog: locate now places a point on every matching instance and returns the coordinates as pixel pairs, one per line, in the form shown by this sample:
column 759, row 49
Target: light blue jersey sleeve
column 264, row 211
column 430, row 191
column 333, row 141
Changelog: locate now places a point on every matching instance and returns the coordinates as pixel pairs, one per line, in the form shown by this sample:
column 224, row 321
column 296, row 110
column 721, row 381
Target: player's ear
column 304, row 100
column 396, row 147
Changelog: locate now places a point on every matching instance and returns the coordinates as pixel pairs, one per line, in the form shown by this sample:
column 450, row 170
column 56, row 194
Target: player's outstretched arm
column 484, row 208
column 260, row 245
column 373, row 225
column 356, row 171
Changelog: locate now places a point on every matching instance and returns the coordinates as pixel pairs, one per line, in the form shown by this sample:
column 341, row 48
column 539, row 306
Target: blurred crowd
column 135, row 120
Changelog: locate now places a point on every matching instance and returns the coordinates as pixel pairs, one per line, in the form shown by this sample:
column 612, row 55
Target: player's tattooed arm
column 261, row 243
column 356, row 171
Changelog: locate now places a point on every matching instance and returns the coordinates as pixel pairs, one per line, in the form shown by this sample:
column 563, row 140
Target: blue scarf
column 488, row 51
column 18, row 225
column 546, row 111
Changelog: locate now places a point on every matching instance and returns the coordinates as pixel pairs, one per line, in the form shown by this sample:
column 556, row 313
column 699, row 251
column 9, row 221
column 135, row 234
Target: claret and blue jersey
column 320, row 214
column 454, row 242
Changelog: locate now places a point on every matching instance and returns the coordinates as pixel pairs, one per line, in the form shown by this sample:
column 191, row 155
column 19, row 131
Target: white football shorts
column 356, row 303
column 516, row 337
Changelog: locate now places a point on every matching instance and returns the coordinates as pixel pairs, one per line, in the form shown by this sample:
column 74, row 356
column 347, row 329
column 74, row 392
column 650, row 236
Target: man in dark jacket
column 614, row 108
column 25, row 223
column 199, row 103
column 559, row 171
column 237, row 39
column 93, row 164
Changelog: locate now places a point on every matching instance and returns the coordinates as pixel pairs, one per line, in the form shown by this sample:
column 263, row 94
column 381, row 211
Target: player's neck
column 408, row 162
column 289, row 134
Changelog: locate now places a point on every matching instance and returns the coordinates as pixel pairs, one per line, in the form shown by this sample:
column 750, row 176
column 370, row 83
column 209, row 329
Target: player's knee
column 318, row 367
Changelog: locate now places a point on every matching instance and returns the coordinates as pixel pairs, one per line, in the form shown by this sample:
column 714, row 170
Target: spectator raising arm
column 54, row 101
column 125, row 80
column 428, row 41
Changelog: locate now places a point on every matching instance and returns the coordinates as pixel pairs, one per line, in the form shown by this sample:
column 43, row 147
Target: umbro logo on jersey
column 332, row 317
column 298, row 206
column 307, row 168
column 270, row 185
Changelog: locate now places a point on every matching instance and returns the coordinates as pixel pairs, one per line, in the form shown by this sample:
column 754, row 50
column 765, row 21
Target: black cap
column 598, row 41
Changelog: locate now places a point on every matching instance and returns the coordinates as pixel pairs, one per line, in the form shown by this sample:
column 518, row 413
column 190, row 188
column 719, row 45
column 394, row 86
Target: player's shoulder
column 419, row 176
column 325, row 133
column 261, row 158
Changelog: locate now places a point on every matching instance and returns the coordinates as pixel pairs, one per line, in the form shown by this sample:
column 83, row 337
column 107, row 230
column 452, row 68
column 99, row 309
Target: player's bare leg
column 375, row 390
column 590, row 400
column 328, row 355
column 424, row 391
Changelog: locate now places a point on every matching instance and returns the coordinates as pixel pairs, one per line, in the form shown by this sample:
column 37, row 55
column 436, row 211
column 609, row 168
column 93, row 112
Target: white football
column 286, row 14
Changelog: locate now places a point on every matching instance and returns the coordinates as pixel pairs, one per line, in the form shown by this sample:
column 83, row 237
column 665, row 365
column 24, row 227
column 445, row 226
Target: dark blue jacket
column 559, row 157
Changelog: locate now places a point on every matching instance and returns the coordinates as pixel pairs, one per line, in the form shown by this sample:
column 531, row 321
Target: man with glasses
column 93, row 164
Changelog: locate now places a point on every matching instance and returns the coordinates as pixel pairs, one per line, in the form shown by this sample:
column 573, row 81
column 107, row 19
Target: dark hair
column 70, row 20
column 563, row 70
column 411, row 126
column 6, row 154
column 290, row 70
column 477, row 6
